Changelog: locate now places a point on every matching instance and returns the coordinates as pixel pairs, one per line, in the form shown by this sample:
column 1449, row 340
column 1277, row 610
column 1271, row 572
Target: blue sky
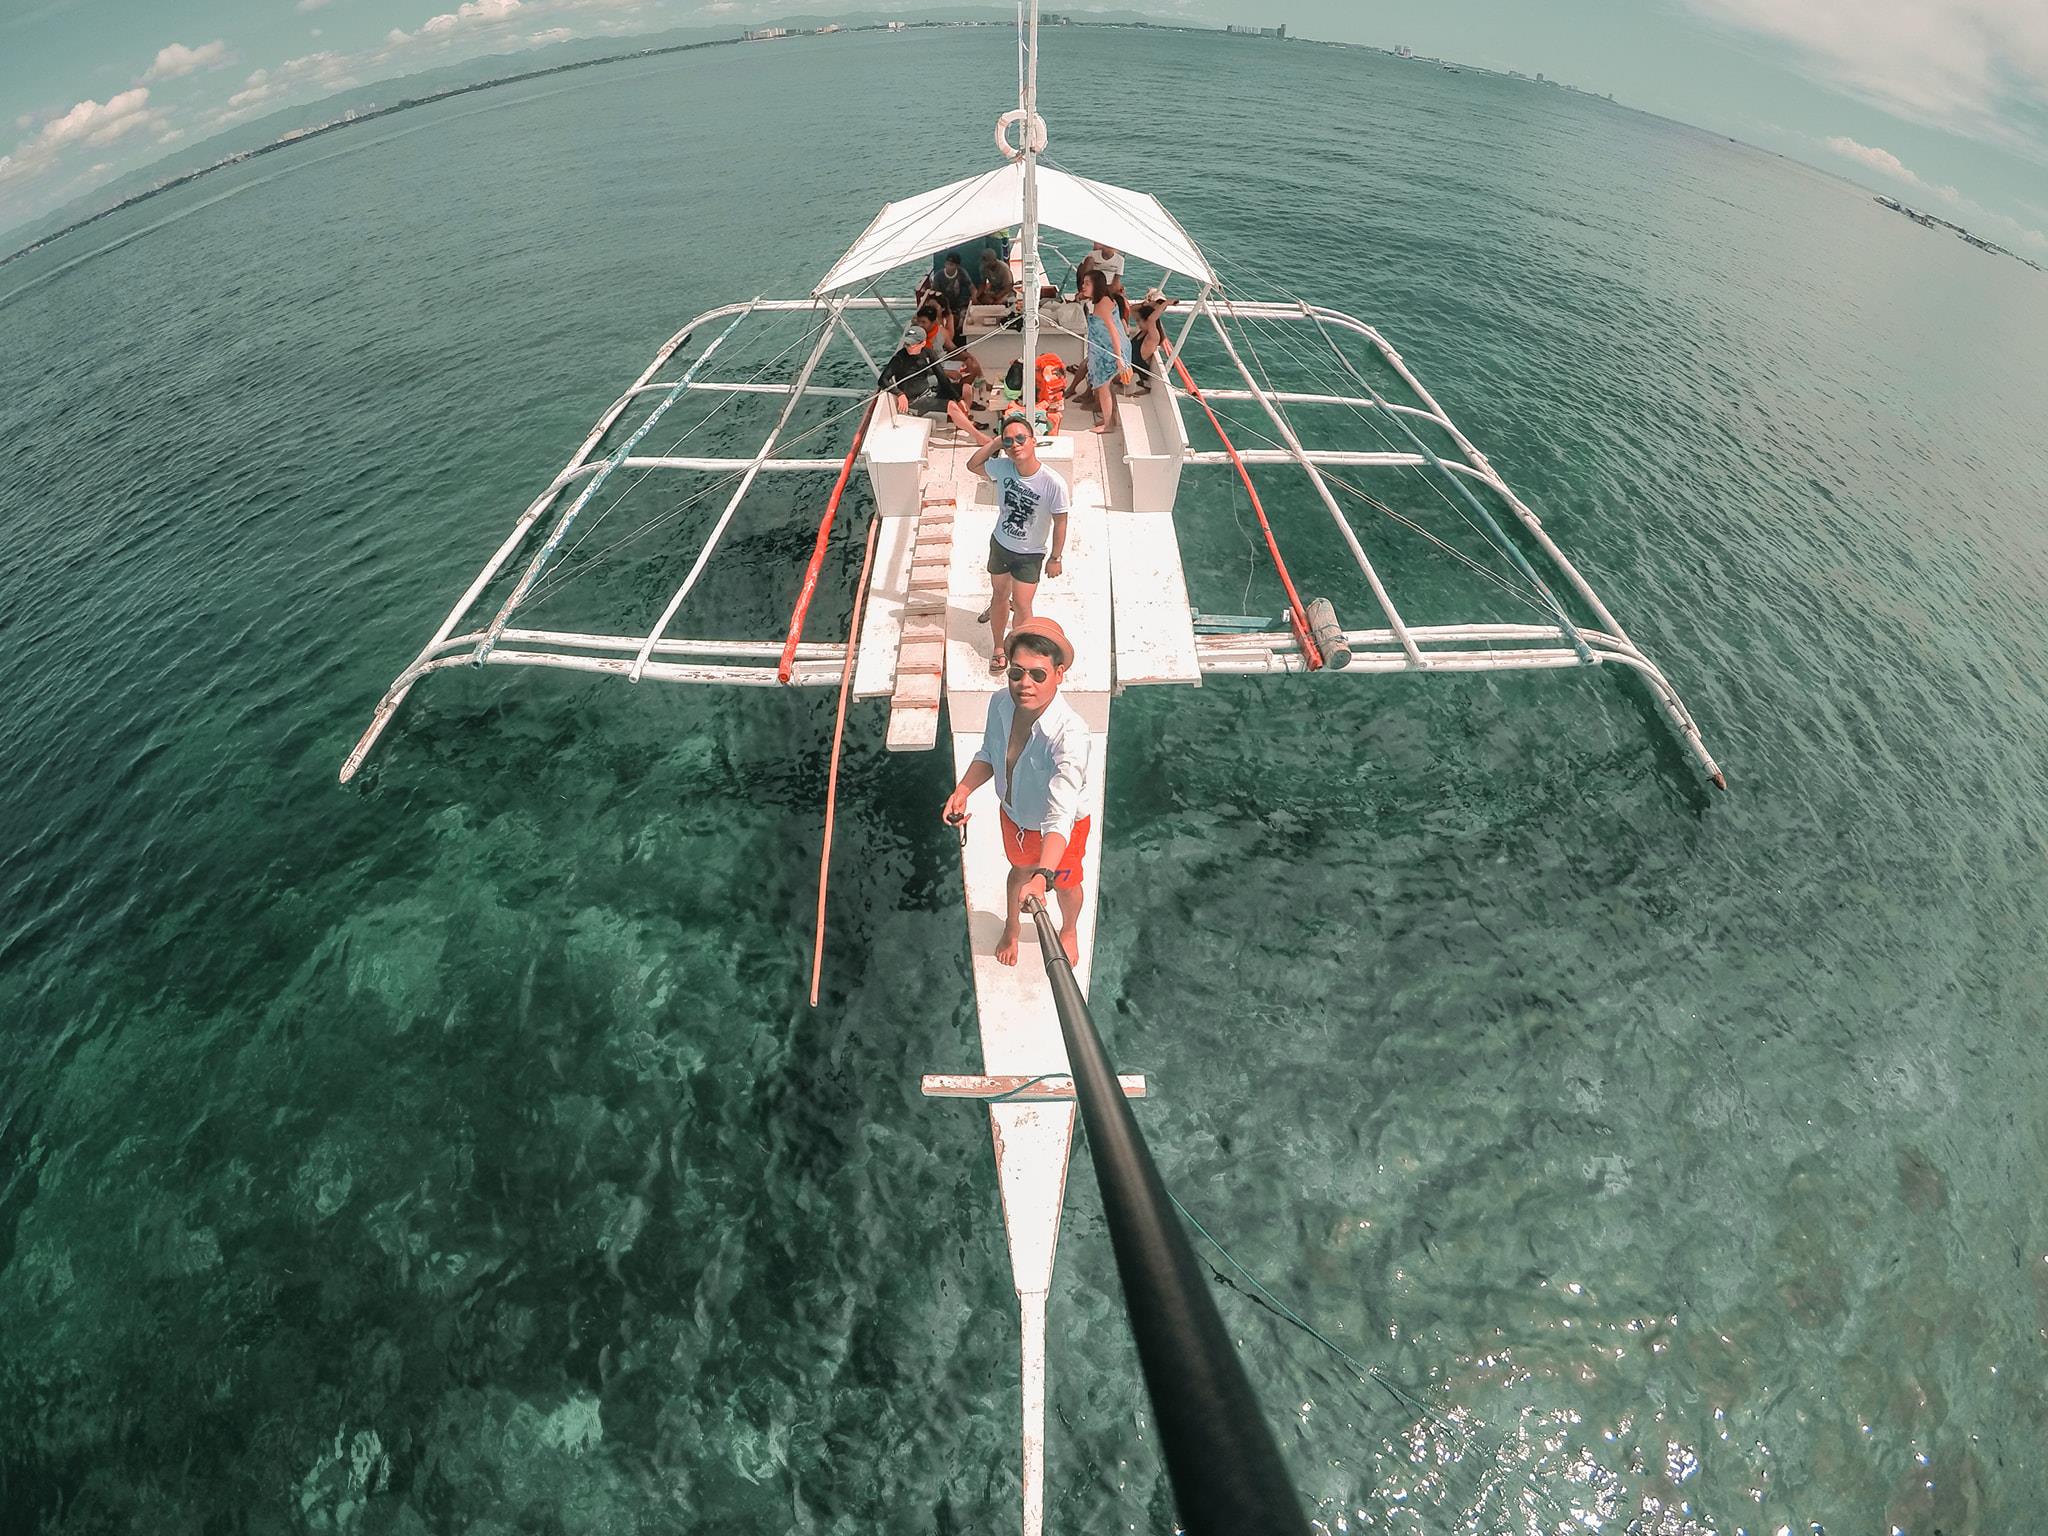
column 1942, row 102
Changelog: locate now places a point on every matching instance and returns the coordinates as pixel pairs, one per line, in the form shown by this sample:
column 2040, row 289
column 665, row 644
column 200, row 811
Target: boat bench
column 1153, row 447
column 894, row 452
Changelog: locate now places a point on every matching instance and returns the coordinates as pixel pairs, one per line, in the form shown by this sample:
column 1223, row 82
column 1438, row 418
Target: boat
column 913, row 636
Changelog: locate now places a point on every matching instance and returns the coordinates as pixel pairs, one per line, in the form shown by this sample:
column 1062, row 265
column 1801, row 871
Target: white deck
column 1020, row 1032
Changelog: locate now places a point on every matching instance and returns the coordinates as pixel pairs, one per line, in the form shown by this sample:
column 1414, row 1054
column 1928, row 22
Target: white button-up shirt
column 1048, row 791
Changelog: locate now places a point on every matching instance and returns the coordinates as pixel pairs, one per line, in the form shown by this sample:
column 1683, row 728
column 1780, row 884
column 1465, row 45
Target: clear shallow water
column 457, row 1154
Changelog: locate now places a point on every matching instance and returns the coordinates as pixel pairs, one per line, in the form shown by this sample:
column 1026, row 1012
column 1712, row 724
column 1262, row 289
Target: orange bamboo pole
column 860, row 594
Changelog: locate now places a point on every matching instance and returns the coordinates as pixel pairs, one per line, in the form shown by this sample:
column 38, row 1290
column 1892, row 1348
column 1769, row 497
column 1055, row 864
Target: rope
column 1507, row 546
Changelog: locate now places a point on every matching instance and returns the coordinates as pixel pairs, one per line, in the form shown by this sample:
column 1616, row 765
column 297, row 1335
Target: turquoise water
column 457, row 1153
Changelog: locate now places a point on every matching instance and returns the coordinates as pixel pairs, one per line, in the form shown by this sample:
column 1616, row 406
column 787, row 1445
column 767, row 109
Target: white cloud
column 1956, row 64
column 177, row 59
column 1885, row 163
column 93, row 124
column 1982, row 220
column 97, row 122
column 552, row 35
column 326, row 70
column 311, row 5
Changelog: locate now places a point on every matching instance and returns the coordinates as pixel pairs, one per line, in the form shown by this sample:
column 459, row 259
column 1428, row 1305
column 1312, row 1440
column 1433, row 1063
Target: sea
column 457, row 1150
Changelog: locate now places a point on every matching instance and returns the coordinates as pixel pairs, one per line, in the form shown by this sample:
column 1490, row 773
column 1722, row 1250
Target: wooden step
column 921, row 648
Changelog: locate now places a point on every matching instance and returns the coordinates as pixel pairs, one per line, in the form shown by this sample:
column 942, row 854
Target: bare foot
column 1006, row 947
column 997, row 665
column 1070, row 941
column 1107, row 426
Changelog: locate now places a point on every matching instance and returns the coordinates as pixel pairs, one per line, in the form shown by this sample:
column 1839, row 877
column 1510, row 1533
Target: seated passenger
column 916, row 370
column 937, row 321
column 955, row 289
column 997, row 281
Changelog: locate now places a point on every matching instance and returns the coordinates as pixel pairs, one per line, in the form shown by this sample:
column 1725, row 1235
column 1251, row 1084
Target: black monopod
column 1228, row 1479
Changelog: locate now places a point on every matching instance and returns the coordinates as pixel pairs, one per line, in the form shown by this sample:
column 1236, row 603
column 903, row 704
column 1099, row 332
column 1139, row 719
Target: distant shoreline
column 351, row 120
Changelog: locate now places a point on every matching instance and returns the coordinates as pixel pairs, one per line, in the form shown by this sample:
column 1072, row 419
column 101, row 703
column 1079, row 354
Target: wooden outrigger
column 1123, row 598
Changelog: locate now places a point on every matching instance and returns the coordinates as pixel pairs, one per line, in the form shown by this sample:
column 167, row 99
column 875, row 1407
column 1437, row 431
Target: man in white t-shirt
column 1031, row 527
column 1104, row 259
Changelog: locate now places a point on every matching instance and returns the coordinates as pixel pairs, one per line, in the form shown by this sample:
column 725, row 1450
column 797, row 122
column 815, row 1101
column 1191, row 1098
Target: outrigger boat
column 914, row 635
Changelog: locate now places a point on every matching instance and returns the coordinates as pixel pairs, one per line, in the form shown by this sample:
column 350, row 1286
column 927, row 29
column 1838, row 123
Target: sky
column 1943, row 103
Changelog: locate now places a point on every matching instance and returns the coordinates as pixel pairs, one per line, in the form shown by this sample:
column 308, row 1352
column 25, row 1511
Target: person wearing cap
column 1030, row 536
column 998, row 282
column 1035, row 750
column 916, row 369
column 1148, row 334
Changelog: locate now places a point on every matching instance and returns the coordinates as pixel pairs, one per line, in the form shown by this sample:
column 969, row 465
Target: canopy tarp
column 1131, row 222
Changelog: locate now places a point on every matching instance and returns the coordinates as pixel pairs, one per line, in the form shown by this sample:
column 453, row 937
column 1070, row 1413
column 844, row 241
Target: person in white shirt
column 1035, row 749
column 1103, row 259
column 1031, row 527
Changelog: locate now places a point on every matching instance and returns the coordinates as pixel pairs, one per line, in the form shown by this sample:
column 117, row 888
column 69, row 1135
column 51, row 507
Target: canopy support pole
column 796, row 393
column 1315, row 476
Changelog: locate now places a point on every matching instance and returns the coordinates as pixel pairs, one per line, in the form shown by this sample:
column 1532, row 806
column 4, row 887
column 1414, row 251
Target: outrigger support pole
column 394, row 696
column 1286, row 430
column 796, row 393
column 1680, row 718
column 1228, row 1478
column 584, row 497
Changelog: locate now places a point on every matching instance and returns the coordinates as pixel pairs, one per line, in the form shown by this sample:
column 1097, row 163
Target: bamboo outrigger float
column 1123, row 598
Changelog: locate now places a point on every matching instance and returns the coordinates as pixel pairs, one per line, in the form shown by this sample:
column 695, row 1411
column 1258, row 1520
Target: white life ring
column 1010, row 120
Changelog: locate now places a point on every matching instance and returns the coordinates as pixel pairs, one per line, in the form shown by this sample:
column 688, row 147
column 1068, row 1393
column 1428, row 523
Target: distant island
column 1929, row 220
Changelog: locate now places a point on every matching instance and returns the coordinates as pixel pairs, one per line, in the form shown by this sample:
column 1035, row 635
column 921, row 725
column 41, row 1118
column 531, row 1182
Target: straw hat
column 1049, row 631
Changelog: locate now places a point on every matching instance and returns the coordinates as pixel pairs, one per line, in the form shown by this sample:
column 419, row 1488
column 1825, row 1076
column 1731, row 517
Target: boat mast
column 1028, row 131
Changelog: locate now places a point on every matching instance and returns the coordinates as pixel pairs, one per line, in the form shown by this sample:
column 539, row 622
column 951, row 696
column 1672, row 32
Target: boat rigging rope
column 1297, row 614
column 563, row 571
column 1500, row 535
column 1442, row 545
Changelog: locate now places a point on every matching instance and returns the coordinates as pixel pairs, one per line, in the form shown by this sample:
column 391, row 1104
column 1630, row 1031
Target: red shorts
column 1023, row 848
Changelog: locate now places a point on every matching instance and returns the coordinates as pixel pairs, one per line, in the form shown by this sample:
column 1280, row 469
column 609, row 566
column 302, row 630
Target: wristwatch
column 1048, row 875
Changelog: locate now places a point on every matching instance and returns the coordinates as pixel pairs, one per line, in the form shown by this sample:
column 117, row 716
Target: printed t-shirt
column 1026, row 506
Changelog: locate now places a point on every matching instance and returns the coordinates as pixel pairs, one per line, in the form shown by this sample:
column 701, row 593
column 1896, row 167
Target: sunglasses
column 1015, row 438
column 1036, row 674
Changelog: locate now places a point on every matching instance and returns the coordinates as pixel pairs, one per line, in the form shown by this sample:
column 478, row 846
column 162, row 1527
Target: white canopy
column 1131, row 222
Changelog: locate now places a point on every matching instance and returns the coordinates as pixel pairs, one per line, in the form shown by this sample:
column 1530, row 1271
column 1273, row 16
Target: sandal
column 998, row 663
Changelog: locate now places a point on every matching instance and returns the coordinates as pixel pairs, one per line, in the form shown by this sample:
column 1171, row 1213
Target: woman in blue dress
column 1109, row 350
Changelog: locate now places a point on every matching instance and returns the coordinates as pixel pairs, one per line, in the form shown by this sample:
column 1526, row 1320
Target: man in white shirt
column 1103, row 259
column 1031, row 527
column 1035, row 748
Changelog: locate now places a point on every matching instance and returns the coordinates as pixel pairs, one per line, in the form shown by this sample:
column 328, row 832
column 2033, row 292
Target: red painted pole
column 1297, row 615
column 810, row 586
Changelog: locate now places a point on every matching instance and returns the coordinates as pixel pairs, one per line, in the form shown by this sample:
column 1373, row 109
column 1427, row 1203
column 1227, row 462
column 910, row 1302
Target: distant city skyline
column 1941, row 102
